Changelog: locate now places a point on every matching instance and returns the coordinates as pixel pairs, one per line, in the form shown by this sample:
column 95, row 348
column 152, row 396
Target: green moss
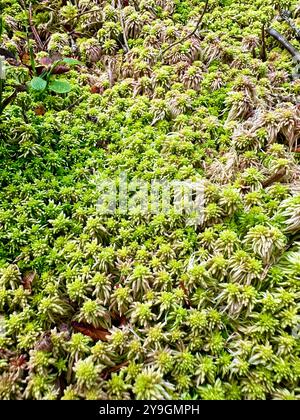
column 135, row 305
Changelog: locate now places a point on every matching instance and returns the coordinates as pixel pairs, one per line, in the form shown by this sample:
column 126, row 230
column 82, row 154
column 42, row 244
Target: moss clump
column 134, row 304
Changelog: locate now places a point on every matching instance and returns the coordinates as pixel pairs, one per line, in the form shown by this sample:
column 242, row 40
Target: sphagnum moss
column 155, row 306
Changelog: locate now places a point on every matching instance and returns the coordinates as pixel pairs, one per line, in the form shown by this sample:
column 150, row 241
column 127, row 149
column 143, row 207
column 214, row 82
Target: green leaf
column 37, row 83
column 59, row 86
column 71, row 62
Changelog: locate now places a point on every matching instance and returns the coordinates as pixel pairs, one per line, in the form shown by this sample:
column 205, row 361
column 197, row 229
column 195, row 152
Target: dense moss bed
column 136, row 305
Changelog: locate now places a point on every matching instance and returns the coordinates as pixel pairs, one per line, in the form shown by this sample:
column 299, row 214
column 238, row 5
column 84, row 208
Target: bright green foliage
column 48, row 80
column 137, row 305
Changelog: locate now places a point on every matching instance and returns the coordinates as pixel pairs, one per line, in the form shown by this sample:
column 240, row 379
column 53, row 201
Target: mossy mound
column 138, row 305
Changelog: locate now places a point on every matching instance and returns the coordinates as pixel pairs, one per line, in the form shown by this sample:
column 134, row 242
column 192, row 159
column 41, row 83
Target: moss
column 131, row 304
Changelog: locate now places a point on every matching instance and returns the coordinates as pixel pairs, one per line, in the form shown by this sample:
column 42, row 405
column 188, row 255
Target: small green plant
column 48, row 81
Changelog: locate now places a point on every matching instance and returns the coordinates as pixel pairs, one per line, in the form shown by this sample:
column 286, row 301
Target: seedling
column 48, row 80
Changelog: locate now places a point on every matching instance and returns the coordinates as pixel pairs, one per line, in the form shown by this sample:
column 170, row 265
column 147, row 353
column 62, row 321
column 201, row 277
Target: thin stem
column 1, row 92
column 281, row 39
column 286, row 17
column 263, row 47
column 123, row 26
column 32, row 61
column 34, row 31
column 191, row 33
column 80, row 99
column 7, row 101
column 70, row 368
column 1, row 26
column 87, row 12
column 276, row 177
column 2, row 79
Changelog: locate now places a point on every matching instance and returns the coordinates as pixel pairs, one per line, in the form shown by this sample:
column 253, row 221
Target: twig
column 110, row 74
column 87, row 12
column 191, row 33
column 11, row 98
column 117, row 367
column 274, row 178
column 75, row 103
column 123, row 26
column 263, row 53
column 286, row 16
column 281, row 39
column 34, row 31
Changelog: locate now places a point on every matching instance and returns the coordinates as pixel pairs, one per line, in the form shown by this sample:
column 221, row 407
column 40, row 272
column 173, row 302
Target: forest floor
column 196, row 300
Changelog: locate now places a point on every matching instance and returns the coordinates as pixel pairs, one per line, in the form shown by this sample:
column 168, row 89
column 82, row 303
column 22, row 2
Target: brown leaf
column 97, row 89
column 116, row 368
column 61, row 69
column 123, row 321
column 25, row 59
column 276, row 177
column 95, row 333
column 28, row 279
column 40, row 110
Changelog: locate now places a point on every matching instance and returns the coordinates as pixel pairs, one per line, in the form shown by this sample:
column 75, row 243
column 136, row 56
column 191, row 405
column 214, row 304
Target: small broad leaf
column 71, row 62
column 37, row 83
column 59, row 86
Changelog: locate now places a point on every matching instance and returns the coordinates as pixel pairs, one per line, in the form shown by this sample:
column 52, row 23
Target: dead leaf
column 61, row 69
column 123, row 321
column 116, row 368
column 96, row 89
column 40, row 110
column 28, row 279
column 25, row 59
column 95, row 333
column 44, row 343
